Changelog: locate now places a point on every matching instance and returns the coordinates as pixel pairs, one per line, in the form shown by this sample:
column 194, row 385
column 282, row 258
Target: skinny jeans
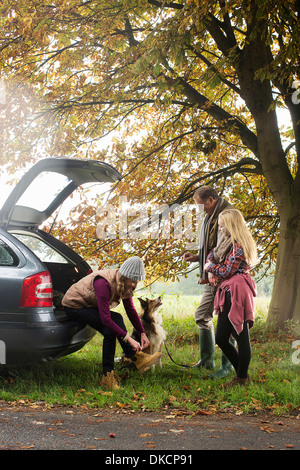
column 239, row 357
column 90, row 316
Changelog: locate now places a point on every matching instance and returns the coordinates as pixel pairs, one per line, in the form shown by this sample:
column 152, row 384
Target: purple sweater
column 103, row 292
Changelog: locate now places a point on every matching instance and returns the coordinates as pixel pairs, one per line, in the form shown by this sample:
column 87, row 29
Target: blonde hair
column 237, row 228
column 121, row 290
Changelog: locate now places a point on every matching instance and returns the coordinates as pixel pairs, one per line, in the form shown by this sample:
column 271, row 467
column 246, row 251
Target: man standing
column 213, row 205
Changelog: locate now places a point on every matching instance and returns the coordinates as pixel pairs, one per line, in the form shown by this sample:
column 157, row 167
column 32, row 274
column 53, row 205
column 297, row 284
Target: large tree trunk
column 285, row 302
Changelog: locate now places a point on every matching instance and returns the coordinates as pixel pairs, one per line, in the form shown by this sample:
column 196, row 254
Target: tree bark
column 285, row 302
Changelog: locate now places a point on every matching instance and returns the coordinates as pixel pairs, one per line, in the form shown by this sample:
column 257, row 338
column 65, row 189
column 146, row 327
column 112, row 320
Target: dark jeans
column 239, row 358
column 90, row 316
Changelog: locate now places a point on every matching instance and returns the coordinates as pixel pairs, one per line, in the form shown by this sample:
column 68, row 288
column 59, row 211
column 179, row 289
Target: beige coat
column 82, row 294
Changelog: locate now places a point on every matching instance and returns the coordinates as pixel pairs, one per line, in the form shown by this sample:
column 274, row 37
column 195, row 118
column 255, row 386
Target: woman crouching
column 90, row 300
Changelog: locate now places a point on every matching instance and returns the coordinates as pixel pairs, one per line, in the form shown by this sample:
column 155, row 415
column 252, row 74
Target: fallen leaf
column 202, row 412
column 289, row 446
column 268, row 430
column 145, row 435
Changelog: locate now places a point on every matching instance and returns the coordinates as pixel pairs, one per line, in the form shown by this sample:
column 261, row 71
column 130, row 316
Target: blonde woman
column 234, row 301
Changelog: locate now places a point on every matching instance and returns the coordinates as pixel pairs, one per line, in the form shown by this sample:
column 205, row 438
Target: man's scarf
column 204, row 233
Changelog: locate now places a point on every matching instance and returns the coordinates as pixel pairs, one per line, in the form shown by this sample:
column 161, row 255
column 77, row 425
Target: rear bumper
column 26, row 343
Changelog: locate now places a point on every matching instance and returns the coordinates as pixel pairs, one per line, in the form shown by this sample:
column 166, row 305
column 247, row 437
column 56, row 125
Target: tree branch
column 215, row 28
column 174, row 5
column 230, row 122
column 239, row 167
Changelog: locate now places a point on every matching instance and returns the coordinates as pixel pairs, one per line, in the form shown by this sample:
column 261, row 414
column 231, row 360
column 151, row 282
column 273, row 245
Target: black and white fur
column 152, row 322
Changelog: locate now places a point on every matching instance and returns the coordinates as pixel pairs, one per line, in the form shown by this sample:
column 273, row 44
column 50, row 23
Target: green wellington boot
column 226, row 367
column 207, row 349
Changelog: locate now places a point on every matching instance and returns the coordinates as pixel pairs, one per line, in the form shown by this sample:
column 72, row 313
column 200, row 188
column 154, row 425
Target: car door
column 45, row 187
column 11, row 262
column 37, row 195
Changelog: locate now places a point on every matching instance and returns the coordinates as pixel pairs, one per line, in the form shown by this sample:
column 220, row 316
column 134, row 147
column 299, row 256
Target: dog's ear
column 142, row 301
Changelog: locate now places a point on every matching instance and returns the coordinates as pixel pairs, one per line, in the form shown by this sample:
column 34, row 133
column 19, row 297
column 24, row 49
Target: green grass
column 74, row 380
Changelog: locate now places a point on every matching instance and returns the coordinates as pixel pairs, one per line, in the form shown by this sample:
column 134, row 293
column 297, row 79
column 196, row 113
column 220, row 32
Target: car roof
column 60, row 176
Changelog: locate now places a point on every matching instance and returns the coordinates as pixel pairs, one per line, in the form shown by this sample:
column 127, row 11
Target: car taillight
column 37, row 291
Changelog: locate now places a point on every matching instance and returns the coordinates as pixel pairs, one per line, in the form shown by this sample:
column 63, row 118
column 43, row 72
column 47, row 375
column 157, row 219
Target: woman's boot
column 226, row 366
column 143, row 361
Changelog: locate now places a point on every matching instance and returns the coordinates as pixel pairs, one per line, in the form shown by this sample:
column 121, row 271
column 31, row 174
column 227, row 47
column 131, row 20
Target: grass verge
column 75, row 379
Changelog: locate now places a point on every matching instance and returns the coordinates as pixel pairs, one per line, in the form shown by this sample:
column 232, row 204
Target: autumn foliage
column 174, row 95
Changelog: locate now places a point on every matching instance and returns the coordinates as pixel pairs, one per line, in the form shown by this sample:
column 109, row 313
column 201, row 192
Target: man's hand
column 212, row 279
column 190, row 257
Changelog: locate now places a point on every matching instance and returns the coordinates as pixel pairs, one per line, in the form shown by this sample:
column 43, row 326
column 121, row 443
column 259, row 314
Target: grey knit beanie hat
column 133, row 269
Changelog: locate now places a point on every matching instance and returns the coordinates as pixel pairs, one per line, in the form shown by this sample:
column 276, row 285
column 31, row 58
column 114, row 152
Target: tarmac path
column 121, row 434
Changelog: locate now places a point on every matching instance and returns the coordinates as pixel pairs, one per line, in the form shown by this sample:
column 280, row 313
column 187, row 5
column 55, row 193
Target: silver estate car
column 36, row 268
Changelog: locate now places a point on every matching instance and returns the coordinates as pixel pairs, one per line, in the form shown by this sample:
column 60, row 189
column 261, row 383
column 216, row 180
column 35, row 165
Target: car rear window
column 53, row 184
column 7, row 256
column 41, row 249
